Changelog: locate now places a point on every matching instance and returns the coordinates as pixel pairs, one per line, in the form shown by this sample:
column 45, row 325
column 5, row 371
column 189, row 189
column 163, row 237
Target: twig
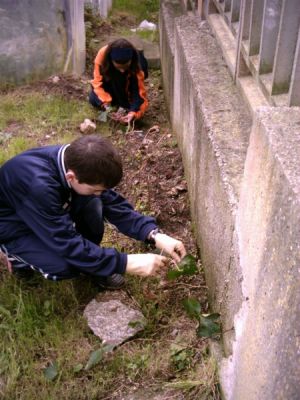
column 160, row 140
column 129, row 129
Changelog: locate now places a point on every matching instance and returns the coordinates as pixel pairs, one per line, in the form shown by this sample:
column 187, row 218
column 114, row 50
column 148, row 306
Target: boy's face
column 83, row 188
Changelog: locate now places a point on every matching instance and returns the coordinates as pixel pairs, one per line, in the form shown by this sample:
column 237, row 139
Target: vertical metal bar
column 235, row 10
column 208, row 7
column 294, row 93
column 246, row 18
column 257, row 8
column 286, row 45
column 227, row 5
column 239, row 39
column 269, row 36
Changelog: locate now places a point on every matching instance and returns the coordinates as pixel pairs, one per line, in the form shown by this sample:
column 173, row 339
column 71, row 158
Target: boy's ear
column 70, row 175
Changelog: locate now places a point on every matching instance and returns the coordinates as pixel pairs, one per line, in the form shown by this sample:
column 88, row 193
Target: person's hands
column 145, row 264
column 126, row 119
column 105, row 106
column 175, row 248
column 5, row 261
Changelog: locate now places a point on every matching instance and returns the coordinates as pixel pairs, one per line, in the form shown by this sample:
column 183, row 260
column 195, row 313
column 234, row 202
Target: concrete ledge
column 246, row 211
column 265, row 363
column 213, row 127
column 101, row 6
column 249, row 88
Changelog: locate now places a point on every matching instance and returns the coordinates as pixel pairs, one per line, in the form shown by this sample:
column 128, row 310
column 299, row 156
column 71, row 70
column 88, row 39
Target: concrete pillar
column 266, row 354
column 40, row 38
column 77, row 48
column 102, row 6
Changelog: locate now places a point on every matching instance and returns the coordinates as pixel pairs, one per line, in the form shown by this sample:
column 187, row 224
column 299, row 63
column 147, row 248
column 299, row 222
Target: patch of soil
column 61, row 85
column 154, row 183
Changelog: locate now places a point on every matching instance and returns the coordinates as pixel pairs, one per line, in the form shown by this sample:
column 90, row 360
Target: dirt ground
column 154, row 183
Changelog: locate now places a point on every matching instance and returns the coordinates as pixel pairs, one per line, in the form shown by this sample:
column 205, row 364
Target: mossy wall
column 35, row 37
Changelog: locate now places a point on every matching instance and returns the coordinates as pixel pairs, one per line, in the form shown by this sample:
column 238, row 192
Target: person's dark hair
column 107, row 68
column 95, row 161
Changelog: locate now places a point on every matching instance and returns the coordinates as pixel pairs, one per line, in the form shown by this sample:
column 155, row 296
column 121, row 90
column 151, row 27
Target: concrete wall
column 40, row 38
column 101, row 6
column 243, row 210
column 209, row 120
column 169, row 11
column 268, row 225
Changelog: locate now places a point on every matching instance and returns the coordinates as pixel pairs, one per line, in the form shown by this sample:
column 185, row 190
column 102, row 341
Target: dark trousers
column 29, row 252
column 94, row 99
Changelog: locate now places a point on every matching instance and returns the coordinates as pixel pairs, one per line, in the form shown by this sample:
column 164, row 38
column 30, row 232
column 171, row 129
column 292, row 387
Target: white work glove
column 173, row 247
column 145, row 264
column 106, row 106
column 5, row 262
column 126, row 119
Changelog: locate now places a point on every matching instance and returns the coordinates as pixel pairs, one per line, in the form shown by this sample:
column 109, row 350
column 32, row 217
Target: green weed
column 143, row 9
column 38, row 114
column 15, row 146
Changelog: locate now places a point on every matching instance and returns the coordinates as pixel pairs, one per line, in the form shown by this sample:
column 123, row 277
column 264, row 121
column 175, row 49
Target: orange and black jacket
column 125, row 89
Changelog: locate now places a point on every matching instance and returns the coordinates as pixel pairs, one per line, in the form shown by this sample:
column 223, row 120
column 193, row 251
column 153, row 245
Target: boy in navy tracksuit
column 53, row 204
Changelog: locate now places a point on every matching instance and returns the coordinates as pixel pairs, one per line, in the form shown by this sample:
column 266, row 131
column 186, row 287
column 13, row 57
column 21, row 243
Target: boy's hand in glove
column 173, row 247
column 145, row 264
column 126, row 119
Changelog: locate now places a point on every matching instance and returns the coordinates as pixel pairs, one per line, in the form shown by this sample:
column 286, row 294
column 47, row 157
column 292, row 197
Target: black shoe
column 23, row 273
column 112, row 282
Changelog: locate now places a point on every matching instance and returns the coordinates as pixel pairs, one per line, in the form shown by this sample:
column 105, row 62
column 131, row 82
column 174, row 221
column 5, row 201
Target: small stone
column 113, row 321
column 154, row 129
column 147, row 141
column 174, row 332
column 87, row 126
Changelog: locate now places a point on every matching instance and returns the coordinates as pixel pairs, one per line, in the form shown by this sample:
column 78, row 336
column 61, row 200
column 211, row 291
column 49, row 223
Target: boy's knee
column 89, row 219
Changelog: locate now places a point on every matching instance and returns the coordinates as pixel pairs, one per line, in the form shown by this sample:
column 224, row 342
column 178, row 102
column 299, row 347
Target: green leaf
column 139, row 324
column 102, row 117
column 173, row 274
column 211, row 317
column 187, row 266
column 97, row 355
column 5, row 312
column 51, row 372
column 192, row 307
column 207, row 327
column 47, row 308
column 78, row 368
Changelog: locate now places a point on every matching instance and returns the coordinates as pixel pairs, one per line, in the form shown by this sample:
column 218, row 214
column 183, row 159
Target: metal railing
column 267, row 34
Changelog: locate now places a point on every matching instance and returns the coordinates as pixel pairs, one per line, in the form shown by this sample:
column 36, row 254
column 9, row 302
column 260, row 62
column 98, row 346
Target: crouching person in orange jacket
column 119, row 73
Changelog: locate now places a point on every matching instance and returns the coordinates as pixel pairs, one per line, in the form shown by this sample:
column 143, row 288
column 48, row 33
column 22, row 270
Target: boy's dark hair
column 95, row 161
column 107, row 68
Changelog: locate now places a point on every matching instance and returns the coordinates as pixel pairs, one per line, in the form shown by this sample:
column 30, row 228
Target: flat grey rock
column 113, row 322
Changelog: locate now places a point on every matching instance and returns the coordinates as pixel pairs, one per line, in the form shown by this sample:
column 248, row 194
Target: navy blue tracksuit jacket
column 37, row 215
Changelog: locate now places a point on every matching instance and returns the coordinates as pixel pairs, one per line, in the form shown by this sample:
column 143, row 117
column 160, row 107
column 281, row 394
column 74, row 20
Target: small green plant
column 14, row 146
column 51, row 372
column 187, row 266
column 181, row 356
column 142, row 9
column 208, row 325
column 97, row 355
